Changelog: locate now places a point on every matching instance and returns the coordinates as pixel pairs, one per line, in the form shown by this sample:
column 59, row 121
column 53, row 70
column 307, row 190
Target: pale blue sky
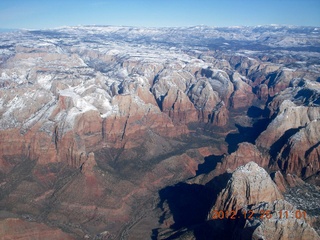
column 155, row 13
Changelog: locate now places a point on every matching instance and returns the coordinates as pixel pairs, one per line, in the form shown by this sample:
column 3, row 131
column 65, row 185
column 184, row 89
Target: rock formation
column 292, row 136
column 245, row 153
column 249, row 185
column 251, row 189
column 243, row 95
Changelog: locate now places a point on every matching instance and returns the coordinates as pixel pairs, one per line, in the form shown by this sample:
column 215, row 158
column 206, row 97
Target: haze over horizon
column 35, row 14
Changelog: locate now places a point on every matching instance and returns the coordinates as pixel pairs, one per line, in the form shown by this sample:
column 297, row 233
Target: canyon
column 136, row 133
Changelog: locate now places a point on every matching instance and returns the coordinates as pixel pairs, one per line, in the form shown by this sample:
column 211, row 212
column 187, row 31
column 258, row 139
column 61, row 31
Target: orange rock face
column 179, row 108
column 243, row 95
column 280, row 181
column 132, row 119
column 245, row 153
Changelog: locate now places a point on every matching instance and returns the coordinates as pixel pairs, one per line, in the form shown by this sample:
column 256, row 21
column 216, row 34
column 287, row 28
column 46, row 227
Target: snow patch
column 78, row 101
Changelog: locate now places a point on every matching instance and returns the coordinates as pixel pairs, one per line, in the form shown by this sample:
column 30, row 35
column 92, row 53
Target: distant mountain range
column 203, row 36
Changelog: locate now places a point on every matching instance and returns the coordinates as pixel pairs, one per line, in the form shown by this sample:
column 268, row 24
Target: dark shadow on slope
column 272, row 77
column 255, row 112
column 308, row 97
column 217, row 184
column 277, row 146
column 246, row 134
column 209, row 164
column 225, row 229
column 309, row 151
column 190, row 204
column 216, row 229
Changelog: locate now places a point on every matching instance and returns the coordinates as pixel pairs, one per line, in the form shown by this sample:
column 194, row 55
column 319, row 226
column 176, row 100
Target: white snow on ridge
column 127, row 54
column 45, row 81
column 78, row 101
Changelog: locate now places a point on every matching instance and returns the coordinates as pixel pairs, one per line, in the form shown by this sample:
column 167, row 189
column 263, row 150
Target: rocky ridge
column 249, row 185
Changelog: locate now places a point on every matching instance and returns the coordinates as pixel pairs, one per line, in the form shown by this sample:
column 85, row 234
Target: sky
column 41, row 14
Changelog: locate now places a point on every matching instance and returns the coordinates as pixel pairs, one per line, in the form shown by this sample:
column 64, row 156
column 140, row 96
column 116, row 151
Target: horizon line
column 4, row 29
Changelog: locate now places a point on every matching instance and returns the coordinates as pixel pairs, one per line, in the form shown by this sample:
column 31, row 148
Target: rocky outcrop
column 292, row 136
column 179, row 108
column 290, row 117
column 262, row 92
column 251, row 190
column 49, row 135
column 204, row 98
column 245, row 153
column 301, row 153
column 279, row 180
column 132, row 118
column 220, row 115
column 242, row 95
column 249, row 185
column 284, row 77
column 260, row 211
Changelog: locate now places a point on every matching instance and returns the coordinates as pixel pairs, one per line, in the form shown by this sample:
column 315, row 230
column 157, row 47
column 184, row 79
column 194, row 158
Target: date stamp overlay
column 262, row 214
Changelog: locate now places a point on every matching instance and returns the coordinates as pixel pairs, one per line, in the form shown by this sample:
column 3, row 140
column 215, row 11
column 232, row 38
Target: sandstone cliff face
column 284, row 77
column 249, row 185
column 220, row 115
column 290, row 116
column 204, row 98
column 292, row 136
column 178, row 107
column 243, row 95
column 245, row 153
column 302, row 151
column 263, row 92
column 131, row 118
column 279, row 180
